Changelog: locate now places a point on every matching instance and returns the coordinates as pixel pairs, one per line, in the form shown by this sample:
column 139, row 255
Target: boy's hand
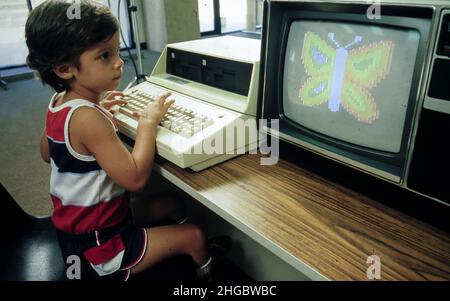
column 156, row 110
column 111, row 99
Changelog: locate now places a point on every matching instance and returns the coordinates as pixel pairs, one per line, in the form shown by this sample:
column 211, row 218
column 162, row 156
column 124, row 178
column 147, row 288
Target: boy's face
column 100, row 68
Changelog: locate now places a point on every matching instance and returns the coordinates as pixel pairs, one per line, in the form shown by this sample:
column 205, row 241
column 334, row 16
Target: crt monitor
column 343, row 85
column 340, row 80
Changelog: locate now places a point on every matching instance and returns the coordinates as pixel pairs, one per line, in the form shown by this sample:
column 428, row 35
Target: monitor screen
column 350, row 81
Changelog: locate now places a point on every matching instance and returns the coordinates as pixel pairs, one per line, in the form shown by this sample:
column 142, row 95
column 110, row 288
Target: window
column 206, row 15
column 225, row 16
column 233, row 15
column 13, row 15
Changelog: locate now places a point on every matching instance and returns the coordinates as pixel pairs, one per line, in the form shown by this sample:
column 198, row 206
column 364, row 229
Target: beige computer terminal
column 215, row 84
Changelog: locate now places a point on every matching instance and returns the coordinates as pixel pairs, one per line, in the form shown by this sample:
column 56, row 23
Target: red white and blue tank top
column 84, row 197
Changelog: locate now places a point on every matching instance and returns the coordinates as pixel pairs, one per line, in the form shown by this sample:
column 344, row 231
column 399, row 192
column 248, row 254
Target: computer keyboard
column 190, row 132
column 180, row 120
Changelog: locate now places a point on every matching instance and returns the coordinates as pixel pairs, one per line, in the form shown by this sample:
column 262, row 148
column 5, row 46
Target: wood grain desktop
column 327, row 227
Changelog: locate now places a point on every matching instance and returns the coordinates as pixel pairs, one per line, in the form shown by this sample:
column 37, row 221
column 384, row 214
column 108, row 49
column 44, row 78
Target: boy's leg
column 159, row 210
column 173, row 240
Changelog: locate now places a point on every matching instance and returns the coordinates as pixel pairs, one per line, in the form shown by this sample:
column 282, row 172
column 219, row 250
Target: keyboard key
column 126, row 111
column 186, row 133
column 195, row 129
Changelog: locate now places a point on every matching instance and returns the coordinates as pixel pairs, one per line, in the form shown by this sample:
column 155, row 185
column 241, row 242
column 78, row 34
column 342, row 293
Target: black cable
column 126, row 46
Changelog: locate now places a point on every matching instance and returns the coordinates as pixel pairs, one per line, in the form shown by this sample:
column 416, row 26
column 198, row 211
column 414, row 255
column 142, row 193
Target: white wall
column 169, row 21
column 155, row 24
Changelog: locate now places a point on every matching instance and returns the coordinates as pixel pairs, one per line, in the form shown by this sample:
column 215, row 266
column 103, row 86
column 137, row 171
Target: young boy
column 91, row 168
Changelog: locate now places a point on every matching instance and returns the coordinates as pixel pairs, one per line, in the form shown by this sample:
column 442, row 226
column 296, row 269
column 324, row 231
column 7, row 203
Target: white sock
column 204, row 269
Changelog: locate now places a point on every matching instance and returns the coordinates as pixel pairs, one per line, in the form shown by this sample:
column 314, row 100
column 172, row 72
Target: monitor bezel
column 393, row 17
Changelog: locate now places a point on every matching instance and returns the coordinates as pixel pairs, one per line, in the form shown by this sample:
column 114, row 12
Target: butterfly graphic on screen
column 342, row 76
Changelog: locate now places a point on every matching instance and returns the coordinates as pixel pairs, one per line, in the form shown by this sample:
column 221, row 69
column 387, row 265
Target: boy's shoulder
column 89, row 113
column 89, row 119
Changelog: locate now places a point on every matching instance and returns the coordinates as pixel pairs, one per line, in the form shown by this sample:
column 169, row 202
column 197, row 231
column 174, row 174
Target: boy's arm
column 44, row 148
column 95, row 132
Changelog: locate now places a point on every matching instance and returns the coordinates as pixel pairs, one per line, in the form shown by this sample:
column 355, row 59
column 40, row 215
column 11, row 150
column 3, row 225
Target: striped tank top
column 84, row 197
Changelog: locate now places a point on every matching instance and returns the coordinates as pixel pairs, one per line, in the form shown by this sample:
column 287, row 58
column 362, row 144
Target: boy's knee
column 196, row 235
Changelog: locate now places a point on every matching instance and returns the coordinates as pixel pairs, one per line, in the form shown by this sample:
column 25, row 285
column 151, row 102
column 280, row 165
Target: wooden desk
column 323, row 230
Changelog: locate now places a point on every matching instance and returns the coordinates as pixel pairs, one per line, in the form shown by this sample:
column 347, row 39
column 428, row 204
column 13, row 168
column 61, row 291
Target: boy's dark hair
column 53, row 36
